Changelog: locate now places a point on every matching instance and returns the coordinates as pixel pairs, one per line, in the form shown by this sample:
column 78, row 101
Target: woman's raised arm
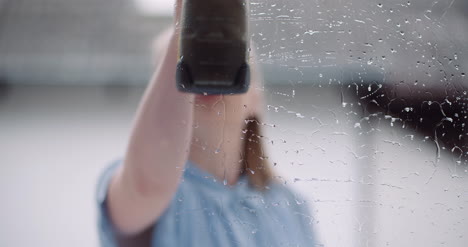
column 143, row 187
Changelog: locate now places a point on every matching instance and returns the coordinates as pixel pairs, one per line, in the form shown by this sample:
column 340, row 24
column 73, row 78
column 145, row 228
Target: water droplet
column 298, row 115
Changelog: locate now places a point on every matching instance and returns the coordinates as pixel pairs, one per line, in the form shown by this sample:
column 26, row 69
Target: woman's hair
column 255, row 162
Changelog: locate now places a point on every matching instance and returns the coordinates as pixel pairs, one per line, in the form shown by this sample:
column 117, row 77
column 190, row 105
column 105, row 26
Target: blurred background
column 366, row 112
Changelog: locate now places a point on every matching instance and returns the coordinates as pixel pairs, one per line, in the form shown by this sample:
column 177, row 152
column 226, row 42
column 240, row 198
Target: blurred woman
column 195, row 172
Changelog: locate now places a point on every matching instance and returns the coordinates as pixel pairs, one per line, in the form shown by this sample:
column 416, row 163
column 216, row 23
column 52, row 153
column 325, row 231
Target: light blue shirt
column 204, row 212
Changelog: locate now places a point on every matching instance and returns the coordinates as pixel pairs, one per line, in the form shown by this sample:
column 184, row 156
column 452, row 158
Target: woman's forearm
column 156, row 153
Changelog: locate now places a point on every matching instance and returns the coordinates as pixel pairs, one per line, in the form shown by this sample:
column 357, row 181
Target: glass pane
column 359, row 108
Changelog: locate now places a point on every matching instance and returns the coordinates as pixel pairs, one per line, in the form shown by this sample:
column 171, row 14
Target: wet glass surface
column 365, row 113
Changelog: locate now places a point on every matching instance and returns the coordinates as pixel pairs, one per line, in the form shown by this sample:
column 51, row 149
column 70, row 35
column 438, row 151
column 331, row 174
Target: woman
column 195, row 174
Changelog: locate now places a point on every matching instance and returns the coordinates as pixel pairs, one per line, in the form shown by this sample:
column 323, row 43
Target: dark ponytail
column 255, row 161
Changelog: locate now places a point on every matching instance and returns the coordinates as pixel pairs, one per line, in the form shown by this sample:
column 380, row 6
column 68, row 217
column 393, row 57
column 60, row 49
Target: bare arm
column 157, row 151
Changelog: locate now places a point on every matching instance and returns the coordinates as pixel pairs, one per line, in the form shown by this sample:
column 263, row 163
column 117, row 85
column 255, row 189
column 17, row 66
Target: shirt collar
column 197, row 175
